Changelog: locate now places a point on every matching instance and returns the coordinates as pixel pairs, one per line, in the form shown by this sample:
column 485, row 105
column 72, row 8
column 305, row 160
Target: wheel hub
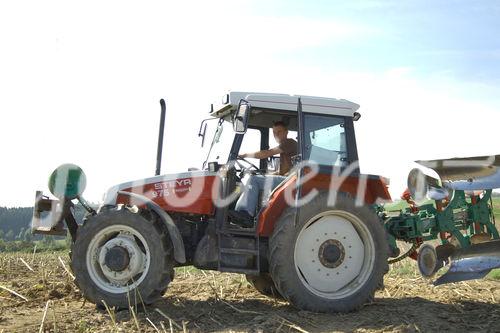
column 427, row 261
column 121, row 259
column 117, row 258
column 331, row 253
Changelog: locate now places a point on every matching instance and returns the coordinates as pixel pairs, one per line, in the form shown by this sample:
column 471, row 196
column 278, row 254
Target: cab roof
column 285, row 102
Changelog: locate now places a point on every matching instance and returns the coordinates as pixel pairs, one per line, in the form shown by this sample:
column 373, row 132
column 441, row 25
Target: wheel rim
column 118, row 259
column 427, row 260
column 334, row 254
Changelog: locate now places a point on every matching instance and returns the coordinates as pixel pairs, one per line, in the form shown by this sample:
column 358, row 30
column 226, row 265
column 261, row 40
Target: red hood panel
column 183, row 193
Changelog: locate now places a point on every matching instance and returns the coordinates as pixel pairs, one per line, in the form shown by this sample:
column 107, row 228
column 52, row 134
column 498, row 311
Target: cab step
column 239, row 251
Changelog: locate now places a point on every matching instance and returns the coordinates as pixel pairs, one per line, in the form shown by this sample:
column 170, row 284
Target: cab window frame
column 350, row 137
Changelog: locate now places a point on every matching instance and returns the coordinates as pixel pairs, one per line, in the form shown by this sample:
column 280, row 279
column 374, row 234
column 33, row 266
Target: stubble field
column 204, row 301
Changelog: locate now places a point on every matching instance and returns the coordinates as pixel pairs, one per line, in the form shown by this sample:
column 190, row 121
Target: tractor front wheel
column 333, row 259
column 122, row 258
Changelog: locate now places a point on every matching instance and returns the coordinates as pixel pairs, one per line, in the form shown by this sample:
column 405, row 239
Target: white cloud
column 81, row 84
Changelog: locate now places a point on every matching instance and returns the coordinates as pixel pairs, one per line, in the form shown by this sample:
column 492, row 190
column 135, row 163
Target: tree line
column 15, row 230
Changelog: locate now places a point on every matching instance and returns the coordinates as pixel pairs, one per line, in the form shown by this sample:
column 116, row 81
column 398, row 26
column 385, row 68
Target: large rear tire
column 333, row 260
column 122, row 258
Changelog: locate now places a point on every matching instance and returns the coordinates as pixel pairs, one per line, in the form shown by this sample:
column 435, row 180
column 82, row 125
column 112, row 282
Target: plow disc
column 467, row 174
column 474, row 262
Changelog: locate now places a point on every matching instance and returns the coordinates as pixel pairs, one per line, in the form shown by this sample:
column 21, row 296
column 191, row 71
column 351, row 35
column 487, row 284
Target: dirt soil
column 203, row 301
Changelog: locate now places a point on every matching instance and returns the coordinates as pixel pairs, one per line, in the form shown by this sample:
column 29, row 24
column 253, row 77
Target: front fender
column 173, row 231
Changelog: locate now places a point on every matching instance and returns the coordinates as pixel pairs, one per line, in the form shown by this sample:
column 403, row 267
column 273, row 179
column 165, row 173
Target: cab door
column 300, row 158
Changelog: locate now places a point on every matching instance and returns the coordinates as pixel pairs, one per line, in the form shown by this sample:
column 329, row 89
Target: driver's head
column 280, row 131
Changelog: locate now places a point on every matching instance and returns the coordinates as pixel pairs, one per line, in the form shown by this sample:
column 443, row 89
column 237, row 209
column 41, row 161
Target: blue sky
column 458, row 38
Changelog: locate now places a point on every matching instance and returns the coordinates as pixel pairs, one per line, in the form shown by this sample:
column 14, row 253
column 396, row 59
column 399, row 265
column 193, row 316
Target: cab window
column 325, row 140
column 251, row 144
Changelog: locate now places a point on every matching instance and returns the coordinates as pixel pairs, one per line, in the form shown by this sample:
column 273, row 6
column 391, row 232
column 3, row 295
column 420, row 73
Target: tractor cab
column 322, row 129
column 329, row 138
column 323, row 132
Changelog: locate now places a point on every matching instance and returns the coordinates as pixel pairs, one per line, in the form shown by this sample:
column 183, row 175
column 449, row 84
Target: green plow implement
column 456, row 228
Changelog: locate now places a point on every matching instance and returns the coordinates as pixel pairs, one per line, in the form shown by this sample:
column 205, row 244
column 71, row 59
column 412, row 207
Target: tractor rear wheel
column 264, row 284
column 333, row 260
column 122, row 258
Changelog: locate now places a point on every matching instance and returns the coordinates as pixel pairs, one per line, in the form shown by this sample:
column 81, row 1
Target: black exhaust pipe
column 160, row 137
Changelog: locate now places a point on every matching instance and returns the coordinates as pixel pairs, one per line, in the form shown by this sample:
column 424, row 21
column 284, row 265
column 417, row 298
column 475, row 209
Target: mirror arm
column 202, row 123
column 203, row 135
column 203, row 129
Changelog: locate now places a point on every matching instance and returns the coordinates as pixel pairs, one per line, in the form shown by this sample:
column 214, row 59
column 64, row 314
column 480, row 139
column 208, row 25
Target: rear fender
column 376, row 190
column 173, row 231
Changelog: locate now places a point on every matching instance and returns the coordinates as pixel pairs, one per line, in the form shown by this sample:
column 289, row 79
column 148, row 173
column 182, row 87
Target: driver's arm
column 262, row 153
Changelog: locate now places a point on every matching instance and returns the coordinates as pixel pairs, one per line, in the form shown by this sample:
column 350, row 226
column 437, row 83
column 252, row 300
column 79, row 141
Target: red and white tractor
column 319, row 240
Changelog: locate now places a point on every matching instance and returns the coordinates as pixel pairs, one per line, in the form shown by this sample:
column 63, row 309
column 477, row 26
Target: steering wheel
column 243, row 168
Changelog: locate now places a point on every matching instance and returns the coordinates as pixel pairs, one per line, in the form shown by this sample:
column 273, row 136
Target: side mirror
column 240, row 119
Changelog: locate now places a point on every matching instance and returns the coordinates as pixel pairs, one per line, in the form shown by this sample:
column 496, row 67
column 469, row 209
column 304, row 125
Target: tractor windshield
column 222, row 138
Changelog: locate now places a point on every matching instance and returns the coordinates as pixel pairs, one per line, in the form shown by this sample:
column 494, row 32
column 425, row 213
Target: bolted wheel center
column 331, row 253
column 117, row 258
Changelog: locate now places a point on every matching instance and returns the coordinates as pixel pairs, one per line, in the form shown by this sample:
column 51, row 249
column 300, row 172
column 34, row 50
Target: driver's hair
column 280, row 123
